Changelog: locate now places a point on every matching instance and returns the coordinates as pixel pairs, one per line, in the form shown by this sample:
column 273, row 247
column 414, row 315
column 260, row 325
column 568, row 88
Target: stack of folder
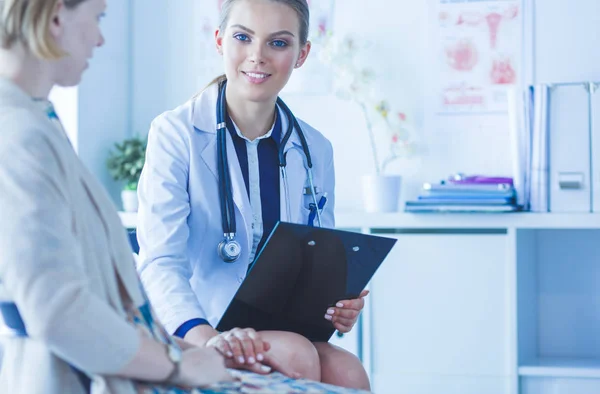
column 466, row 194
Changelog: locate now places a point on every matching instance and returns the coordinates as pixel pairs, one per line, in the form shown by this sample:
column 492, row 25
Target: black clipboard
column 299, row 273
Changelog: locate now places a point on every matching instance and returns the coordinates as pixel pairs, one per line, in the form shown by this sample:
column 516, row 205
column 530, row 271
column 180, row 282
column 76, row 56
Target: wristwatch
column 174, row 353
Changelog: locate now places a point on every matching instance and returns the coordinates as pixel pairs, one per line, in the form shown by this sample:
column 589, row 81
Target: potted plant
column 125, row 163
column 389, row 130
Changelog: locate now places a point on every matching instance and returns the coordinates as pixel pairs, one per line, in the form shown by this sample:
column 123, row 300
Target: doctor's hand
column 243, row 345
column 245, row 349
column 345, row 313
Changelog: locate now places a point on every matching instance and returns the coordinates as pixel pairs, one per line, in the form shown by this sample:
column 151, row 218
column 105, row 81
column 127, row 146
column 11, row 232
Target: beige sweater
column 62, row 252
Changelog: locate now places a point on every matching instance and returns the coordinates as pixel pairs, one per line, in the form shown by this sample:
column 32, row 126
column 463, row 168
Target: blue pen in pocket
column 313, row 209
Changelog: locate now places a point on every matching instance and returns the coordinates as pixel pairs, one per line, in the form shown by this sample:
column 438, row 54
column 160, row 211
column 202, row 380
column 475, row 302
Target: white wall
column 173, row 57
column 397, row 33
column 566, row 44
column 104, row 100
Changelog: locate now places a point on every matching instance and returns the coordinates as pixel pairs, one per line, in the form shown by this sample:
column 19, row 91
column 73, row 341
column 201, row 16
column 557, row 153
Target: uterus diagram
column 503, row 72
column 462, row 55
column 492, row 20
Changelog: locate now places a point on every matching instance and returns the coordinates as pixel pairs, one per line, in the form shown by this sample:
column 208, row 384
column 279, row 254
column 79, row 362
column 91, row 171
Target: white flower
column 355, row 81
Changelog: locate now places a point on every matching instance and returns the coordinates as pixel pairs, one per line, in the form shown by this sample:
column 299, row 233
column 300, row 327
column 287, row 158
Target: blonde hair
column 301, row 8
column 28, row 22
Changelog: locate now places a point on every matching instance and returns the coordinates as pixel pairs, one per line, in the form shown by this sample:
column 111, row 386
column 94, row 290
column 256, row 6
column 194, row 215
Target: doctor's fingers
column 355, row 303
column 344, row 325
column 260, row 346
column 236, row 347
column 251, row 344
column 222, row 346
column 341, row 312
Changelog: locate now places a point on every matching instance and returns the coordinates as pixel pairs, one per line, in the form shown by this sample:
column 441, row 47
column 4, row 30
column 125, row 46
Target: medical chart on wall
column 479, row 54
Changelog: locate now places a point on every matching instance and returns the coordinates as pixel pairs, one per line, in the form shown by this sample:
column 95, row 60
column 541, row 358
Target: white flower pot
column 381, row 193
column 130, row 200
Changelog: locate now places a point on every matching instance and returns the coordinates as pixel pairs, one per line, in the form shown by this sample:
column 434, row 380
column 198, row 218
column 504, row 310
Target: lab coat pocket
column 304, row 215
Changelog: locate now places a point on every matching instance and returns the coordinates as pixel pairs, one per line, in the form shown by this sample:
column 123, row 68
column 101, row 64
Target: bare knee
column 341, row 368
column 296, row 352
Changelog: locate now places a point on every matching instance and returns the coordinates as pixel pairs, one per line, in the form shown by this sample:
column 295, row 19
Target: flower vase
column 130, row 200
column 381, row 193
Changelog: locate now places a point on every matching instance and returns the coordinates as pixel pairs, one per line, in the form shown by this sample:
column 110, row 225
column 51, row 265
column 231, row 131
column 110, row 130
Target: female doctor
column 212, row 190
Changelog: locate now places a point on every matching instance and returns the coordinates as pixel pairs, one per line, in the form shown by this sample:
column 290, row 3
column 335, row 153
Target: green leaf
column 126, row 161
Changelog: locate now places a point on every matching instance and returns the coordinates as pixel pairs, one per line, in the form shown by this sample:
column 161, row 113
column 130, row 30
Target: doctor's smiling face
column 76, row 31
column 261, row 42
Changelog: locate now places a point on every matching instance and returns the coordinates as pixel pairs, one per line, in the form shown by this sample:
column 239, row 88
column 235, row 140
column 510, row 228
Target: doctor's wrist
column 200, row 335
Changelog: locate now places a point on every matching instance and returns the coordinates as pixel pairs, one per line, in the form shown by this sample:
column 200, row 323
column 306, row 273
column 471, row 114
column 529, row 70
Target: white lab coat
column 62, row 248
column 179, row 217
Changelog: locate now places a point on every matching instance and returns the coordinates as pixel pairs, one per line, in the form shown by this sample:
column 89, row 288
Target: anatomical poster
column 479, row 54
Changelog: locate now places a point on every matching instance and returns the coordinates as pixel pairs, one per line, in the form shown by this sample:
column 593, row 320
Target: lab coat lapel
column 296, row 178
column 240, row 197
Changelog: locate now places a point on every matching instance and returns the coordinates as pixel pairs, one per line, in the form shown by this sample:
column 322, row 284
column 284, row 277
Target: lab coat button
column 240, row 279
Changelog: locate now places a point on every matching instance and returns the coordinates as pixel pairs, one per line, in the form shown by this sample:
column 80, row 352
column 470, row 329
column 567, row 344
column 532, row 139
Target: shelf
column 524, row 220
column 450, row 220
column 562, row 367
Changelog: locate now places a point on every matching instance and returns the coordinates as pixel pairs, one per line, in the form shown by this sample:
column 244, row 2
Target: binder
column 570, row 142
column 595, row 137
column 539, row 182
column 520, row 105
column 299, row 273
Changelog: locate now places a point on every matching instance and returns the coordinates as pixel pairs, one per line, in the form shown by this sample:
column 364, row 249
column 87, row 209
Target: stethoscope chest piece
column 229, row 249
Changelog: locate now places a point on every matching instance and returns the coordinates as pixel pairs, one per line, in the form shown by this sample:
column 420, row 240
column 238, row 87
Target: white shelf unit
column 470, row 221
column 558, row 310
column 449, row 220
column 562, row 367
column 541, row 333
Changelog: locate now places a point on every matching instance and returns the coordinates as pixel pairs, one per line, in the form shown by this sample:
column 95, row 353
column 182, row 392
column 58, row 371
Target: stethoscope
column 229, row 248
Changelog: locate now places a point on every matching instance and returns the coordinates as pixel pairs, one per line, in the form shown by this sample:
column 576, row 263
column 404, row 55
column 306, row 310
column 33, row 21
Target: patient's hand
column 345, row 313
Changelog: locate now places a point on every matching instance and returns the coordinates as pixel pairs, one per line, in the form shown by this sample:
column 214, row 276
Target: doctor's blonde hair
column 300, row 6
column 27, row 22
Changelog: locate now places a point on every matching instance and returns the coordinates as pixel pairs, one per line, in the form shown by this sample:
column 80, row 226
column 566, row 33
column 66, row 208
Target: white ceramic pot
column 381, row 193
column 130, row 200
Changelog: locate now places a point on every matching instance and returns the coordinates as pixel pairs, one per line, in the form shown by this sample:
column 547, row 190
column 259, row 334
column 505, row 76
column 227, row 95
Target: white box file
column 570, row 146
